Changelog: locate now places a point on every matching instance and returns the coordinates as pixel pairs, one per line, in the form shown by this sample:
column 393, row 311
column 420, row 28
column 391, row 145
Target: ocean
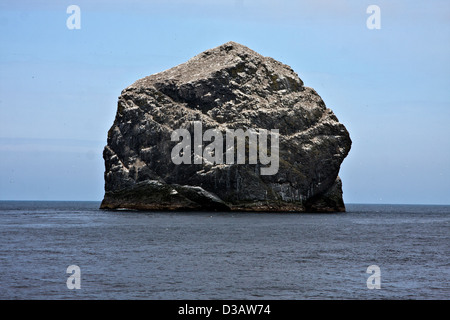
column 212, row 255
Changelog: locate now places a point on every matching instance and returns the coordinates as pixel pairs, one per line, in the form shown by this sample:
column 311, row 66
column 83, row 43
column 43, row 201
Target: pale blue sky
column 390, row 87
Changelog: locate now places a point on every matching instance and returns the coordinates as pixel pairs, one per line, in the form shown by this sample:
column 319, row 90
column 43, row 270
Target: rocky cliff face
column 225, row 88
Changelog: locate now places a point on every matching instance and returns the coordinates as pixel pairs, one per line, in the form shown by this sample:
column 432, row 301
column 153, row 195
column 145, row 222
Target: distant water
column 148, row 255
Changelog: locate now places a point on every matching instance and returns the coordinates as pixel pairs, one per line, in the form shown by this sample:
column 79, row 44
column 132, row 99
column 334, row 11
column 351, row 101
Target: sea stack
column 224, row 89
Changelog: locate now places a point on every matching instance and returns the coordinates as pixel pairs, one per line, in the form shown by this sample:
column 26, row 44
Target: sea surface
column 210, row 255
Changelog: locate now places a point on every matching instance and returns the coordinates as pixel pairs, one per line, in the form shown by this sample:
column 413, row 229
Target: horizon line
column 348, row 203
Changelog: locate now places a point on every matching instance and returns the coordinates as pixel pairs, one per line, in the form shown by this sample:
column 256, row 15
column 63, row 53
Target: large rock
column 228, row 87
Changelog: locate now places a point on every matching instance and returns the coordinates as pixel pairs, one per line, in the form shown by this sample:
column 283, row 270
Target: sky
column 388, row 86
